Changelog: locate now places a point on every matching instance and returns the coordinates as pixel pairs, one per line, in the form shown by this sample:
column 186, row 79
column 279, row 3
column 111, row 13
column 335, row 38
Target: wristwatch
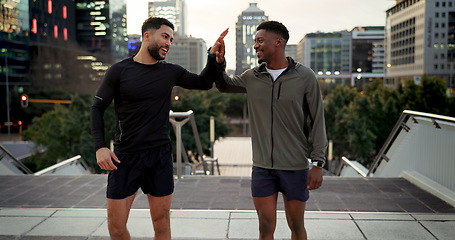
column 318, row 164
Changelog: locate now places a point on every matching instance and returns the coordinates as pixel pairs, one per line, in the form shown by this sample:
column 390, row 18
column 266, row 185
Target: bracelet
column 211, row 54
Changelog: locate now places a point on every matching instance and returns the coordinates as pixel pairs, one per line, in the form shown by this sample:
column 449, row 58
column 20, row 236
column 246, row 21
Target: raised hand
column 219, row 48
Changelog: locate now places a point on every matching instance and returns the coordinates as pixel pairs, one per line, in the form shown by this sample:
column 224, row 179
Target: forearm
column 224, row 83
column 97, row 126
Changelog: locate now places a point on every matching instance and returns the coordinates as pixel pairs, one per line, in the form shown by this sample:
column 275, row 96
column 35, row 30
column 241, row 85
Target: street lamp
column 8, row 123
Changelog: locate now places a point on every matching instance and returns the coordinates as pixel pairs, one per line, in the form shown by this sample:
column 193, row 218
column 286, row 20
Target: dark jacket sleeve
column 203, row 81
column 222, row 79
column 101, row 102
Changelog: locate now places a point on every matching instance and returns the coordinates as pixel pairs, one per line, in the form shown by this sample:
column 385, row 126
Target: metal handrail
column 346, row 161
column 402, row 125
column 19, row 163
column 54, row 167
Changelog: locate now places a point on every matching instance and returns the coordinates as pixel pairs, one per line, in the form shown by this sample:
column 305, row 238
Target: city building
column 367, row 54
column 420, row 39
column 172, row 10
column 188, row 52
column 245, row 32
column 328, row 55
column 14, row 37
column 73, row 42
column 291, row 51
column 14, row 59
column 101, row 28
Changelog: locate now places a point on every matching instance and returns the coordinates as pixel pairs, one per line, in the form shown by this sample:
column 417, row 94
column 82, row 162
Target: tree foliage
column 358, row 124
column 65, row 130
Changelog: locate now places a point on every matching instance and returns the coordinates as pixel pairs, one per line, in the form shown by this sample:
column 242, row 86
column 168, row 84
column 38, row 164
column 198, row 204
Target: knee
column 161, row 222
column 266, row 227
column 296, row 226
column 116, row 229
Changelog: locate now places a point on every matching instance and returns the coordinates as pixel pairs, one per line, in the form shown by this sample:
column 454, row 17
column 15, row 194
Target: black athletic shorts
column 151, row 170
column 293, row 184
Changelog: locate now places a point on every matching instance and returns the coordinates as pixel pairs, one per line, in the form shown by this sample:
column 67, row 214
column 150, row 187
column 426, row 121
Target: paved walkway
column 213, row 207
column 234, row 156
column 75, row 224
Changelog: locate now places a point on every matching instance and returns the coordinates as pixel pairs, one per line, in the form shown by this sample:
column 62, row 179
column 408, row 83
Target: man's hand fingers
column 223, row 34
column 113, row 156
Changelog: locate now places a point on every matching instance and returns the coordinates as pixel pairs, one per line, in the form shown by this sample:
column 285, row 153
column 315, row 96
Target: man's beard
column 154, row 52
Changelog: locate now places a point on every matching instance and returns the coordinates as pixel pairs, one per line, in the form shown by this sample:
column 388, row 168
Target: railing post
column 178, row 136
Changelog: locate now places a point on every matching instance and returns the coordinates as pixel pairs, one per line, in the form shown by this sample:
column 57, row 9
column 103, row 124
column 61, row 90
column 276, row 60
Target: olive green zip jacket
column 281, row 114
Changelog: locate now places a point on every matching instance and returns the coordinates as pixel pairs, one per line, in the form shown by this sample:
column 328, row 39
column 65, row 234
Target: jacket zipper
column 271, row 125
column 279, row 91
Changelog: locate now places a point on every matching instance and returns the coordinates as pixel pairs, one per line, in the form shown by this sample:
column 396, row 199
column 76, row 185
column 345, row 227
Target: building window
column 436, row 14
column 34, row 26
column 443, row 4
column 49, row 6
column 55, row 31
column 64, row 12
column 436, row 67
column 437, row 4
column 65, row 34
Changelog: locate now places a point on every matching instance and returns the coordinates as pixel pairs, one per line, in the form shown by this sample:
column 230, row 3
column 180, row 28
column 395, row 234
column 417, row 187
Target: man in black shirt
column 141, row 88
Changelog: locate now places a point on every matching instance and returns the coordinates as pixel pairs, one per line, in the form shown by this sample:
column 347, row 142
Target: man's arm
column 205, row 79
column 319, row 138
column 102, row 100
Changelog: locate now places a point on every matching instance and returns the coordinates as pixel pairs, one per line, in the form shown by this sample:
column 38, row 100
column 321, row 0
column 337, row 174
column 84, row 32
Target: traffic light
column 24, row 100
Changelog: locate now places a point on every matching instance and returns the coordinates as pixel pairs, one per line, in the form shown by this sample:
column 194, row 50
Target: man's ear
column 280, row 42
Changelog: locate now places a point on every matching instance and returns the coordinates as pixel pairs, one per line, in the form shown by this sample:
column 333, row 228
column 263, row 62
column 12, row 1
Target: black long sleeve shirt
column 142, row 98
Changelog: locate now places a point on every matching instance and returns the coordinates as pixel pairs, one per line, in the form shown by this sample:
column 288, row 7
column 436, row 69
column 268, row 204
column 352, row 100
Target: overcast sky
column 206, row 19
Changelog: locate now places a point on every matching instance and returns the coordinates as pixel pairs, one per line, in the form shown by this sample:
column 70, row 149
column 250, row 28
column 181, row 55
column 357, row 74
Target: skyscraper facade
column 420, row 39
column 101, row 28
column 367, row 54
column 188, row 52
column 245, row 29
column 14, row 38
column 328, row 55
column 172, row 10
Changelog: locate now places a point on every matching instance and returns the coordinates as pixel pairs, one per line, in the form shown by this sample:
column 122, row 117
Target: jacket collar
column 262, row 67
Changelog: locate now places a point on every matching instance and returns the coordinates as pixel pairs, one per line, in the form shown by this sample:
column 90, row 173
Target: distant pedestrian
column 283, row 96
column 141, row 88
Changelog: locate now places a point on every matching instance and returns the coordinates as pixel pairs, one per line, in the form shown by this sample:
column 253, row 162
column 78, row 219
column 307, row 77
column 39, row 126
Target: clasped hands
column 218, row 49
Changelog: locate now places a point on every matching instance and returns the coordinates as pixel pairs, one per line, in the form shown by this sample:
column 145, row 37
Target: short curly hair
column 155, row 23
column 275, row 27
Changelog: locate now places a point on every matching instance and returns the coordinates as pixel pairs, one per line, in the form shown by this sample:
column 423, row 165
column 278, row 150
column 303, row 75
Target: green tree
column 336, row 104
column 65, row 132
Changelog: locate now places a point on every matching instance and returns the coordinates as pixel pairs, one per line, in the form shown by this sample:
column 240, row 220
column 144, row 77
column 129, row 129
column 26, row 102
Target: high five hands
column 219, row 48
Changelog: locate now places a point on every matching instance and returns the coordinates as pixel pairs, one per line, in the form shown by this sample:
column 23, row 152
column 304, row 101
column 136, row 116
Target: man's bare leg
column 159, row 210
column 118, row 211
column 295, row 210
column 266, row 210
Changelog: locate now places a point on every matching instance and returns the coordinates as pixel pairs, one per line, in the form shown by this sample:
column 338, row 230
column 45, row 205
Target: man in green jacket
column 284, row 103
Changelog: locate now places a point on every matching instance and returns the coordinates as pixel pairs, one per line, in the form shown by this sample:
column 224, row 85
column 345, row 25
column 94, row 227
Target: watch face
column 318, row 164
